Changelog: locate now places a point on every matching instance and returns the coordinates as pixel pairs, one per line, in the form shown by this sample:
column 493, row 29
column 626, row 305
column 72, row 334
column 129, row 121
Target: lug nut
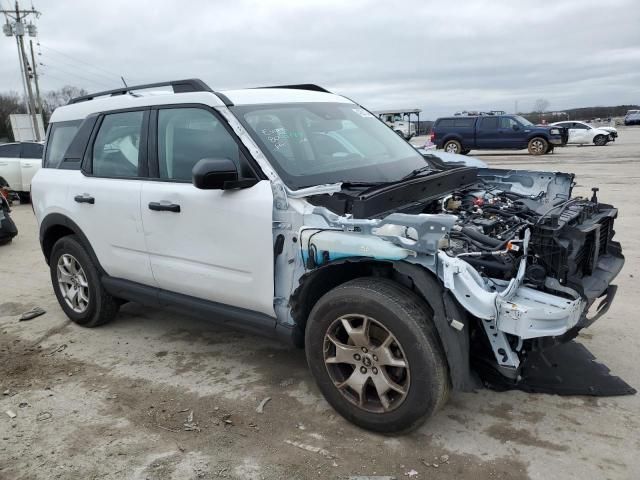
column 356, row 357
column 364, row 349
column 374, row 370
column 363, row 370
column 375, row 358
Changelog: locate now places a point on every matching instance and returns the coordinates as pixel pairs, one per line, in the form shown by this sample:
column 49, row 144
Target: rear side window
column 464, row 122
column 445, row 122
column 490, row 123
column 10, row 151
column 31, row 150
column 58, row 140
column 116, row 149
column 187, row 135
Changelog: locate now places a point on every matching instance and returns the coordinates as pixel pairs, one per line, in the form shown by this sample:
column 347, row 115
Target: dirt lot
column 116, row 402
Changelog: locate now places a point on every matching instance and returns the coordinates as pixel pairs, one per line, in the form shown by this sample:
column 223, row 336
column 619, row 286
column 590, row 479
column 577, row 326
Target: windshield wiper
column 416, row 172
column 363, row 184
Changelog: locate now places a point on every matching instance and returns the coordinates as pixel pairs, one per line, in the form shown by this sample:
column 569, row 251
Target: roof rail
column 301, row 86
column 179, row 86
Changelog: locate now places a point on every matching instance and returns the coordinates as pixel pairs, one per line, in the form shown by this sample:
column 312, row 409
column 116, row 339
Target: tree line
column 13, row 102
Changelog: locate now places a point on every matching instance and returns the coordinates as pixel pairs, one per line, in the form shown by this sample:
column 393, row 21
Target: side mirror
column 215, row 174
column 516, row 127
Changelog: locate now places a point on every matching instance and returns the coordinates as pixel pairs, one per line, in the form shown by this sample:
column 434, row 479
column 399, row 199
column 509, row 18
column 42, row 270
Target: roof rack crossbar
column 301, row 86
column 179, row 86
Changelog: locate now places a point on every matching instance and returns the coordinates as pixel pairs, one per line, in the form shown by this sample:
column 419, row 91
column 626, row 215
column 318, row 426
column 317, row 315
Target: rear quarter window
column 464, row 122
column 11, row 150
column 31, row 150
column 58, row 140
column 445, row 123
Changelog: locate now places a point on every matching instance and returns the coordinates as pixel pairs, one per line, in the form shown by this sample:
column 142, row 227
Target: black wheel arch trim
column 54, row 220
column 456, row 343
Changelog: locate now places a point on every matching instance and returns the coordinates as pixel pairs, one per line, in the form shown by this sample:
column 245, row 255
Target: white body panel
column 219, row 247
column 28, row 168
column 112, row 224
column 10, row 171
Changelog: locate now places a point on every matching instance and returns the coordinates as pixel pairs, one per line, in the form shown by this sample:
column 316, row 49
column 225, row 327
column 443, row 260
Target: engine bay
column 493, row 208
column 566, row 239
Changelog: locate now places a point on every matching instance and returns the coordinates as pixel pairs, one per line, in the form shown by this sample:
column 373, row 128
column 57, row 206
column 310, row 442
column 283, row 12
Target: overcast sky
column 440, row 56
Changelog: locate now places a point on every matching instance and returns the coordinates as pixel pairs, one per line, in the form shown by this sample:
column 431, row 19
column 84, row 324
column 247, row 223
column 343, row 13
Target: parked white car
column 18, row 164
column 582, row 133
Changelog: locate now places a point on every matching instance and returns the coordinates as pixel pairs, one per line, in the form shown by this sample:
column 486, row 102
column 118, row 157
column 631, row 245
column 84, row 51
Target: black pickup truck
column 461, row 134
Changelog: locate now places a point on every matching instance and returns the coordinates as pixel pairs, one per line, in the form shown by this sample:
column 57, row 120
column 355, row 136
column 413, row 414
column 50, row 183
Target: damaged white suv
column 296, row 213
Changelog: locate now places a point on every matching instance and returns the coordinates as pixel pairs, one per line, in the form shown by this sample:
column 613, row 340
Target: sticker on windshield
column 362, row 112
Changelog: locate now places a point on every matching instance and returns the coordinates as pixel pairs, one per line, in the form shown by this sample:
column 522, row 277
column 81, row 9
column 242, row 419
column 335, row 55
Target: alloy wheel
column 366, row 363
column 451, row 148
column 73, row 283
column 537, row 146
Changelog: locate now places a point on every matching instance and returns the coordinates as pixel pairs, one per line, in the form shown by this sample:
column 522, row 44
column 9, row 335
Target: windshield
column 523, row 120
column 315, row 143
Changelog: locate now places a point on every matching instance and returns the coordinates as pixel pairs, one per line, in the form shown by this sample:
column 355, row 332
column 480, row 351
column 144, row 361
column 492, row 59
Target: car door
column 568, row 126
column 215, row 245
column 578, row 133
column 30, row 163
column 104, row 198
column 10, row 165
column 487, row 133
column 510, row 133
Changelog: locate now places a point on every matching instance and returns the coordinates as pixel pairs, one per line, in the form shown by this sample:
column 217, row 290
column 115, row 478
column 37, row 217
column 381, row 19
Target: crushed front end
column 526, row 260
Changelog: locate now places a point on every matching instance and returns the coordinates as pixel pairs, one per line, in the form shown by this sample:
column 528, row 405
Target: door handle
column 85, row 198
column 4, row 164
column 26, row 165
column 164, row 207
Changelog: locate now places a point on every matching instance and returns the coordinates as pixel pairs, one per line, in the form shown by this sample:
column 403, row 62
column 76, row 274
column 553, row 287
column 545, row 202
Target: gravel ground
column 155, row 395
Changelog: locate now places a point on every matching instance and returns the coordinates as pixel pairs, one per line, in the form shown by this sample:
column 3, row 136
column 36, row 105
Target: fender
column 456, row 343
column 450, row 136
column 57, row 225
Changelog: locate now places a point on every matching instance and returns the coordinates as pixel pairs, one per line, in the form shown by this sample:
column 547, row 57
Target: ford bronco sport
column 296, row 213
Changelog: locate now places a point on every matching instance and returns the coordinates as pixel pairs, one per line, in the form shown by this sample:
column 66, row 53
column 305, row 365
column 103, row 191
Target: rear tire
column 452, row 146
column 538, row 146
column 389, row 376
column 76, row 283
column 600, row 140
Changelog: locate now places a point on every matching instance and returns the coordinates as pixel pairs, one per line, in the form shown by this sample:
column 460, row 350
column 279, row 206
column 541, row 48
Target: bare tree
column 56, row 98
column 541, row 105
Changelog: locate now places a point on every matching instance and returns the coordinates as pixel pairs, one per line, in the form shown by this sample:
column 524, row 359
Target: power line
column 75, row 75
column 83, row 62
column 51, row 61
column 56, row 63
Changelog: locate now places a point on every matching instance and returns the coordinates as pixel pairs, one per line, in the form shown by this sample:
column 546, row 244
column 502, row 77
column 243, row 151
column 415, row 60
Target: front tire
column 538, row 146
column 373, row 350
column 452, row 146
column 600, row 140
column 76, row 283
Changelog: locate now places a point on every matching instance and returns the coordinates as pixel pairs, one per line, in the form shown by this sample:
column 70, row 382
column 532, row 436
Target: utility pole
column 15, row 26
column 35, row 79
